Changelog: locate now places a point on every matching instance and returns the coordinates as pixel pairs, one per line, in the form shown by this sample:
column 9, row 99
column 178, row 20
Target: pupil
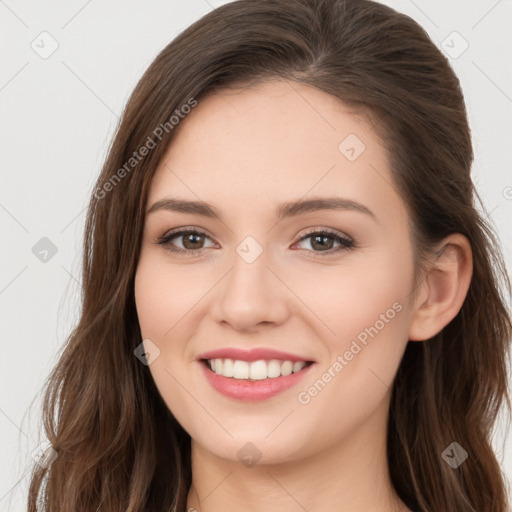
column 191, row 238
column 321, row 238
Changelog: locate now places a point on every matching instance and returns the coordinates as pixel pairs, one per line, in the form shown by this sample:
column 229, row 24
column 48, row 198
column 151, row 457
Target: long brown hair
column 103, row 414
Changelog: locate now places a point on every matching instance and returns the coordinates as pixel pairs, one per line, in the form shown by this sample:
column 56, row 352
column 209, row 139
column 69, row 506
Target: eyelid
column 179, row 232
column 346, row 242
column 325, row 230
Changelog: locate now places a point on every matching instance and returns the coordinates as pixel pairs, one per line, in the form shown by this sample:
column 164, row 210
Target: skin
column 245, row 151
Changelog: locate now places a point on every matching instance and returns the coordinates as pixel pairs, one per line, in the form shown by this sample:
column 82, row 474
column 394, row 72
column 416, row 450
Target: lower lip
column 252, row 390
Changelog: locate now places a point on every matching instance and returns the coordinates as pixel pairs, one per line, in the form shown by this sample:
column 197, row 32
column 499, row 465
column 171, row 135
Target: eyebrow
column 285, row 210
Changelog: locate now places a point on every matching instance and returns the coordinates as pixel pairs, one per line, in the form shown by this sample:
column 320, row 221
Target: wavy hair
column 102, row 412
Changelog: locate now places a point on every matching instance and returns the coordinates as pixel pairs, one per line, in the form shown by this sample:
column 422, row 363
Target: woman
column 290, row 300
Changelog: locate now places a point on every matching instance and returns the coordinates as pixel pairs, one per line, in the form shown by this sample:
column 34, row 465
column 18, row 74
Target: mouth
column 253, row 381
column 253, row 371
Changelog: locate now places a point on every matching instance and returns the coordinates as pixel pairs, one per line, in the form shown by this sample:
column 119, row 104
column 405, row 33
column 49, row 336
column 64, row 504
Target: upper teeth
column 256, row 370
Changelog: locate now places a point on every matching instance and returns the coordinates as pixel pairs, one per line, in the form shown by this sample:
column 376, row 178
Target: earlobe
column 444, row 288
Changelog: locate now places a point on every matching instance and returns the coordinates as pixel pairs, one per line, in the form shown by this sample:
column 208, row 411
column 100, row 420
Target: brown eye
column 323, row 242
column 191, row 241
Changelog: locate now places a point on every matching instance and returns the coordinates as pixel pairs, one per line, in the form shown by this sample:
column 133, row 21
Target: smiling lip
column 251, row 390
column 254, row 354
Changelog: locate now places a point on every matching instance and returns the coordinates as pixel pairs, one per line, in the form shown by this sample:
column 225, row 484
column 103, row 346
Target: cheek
column 364, row 313
column 364, row 291
column 151, row 301
column 164, row 295
column 163, row 298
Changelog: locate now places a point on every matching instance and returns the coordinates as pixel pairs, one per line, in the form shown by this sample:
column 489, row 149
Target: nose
column 251, row 295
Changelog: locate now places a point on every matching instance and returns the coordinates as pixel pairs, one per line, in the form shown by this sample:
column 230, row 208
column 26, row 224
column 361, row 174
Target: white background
column 57, row 118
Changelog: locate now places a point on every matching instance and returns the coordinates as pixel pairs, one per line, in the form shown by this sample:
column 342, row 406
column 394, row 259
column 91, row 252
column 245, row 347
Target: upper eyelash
column 345, row 242
column 167, row 237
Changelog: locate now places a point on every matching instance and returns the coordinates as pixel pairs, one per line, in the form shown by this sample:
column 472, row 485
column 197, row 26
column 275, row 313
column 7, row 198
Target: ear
column 444, row 288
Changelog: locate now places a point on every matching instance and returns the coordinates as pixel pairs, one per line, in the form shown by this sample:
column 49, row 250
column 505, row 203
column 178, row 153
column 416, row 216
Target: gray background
column 58, row 113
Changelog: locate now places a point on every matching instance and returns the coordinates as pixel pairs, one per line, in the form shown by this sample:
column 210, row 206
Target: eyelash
column 345, row 242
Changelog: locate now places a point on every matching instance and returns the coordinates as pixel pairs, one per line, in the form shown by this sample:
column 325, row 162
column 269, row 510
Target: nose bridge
column 250, row 293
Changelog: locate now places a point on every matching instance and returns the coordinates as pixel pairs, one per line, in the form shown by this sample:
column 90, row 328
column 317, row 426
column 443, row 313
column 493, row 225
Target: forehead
column 278, row 140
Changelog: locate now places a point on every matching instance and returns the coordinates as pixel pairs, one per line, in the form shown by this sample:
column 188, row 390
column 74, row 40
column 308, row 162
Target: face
column 328, row 286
